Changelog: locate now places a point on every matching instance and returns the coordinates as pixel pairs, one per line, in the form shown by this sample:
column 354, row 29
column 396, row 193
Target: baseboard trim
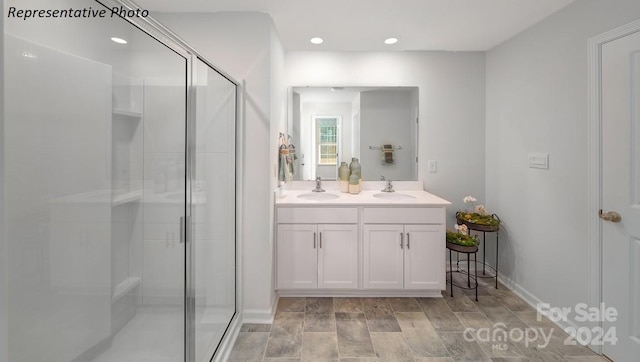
column 261, row 316
column 532, row 300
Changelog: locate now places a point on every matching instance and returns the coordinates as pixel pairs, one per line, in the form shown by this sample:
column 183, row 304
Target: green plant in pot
column 461, row 236
column 477, row 218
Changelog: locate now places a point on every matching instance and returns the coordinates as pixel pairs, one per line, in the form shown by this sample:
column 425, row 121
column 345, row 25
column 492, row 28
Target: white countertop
column 365, row 197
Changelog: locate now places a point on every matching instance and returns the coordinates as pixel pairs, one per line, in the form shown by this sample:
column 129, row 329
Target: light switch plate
column 539, row 160
column 433, row 166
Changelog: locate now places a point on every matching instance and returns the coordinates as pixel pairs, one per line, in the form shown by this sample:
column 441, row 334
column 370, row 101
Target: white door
column 621, row 194
column 423, row 262
column 338, row 256
column 297, row 257
column 383, row 256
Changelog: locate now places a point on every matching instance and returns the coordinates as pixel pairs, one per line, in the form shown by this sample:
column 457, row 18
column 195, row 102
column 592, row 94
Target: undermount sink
column 318, row 196
column 393, row 196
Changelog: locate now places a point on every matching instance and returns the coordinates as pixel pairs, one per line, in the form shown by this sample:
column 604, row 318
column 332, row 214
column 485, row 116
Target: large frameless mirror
column 330, row 125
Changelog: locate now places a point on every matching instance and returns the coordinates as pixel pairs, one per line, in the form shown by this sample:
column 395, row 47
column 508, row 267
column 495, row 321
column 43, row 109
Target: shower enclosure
column 119, row 239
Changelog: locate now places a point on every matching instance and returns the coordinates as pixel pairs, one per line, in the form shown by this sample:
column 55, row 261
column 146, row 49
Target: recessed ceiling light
column 316, row 40
column 119, row 40
column 390, row 41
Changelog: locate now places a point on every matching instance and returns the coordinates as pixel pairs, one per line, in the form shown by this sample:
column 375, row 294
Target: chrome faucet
column 388, row 188
column 318, row 185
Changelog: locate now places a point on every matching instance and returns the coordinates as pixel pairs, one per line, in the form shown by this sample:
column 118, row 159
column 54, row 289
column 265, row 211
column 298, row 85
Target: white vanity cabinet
column 317, row 248
column 404, row 248
column 370, row 244
column 403, row 256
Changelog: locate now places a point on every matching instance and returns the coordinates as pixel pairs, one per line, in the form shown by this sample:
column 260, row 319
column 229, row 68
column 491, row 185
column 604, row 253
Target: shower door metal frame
column 159, row 32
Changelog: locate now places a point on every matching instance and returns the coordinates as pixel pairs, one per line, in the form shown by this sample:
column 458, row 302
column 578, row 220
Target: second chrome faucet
column 318, row 185
column 388, row 187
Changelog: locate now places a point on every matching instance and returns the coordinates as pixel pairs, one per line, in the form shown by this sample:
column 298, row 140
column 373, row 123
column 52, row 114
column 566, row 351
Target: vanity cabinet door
column 297, row 261
column 383, row 256
column 424, row 261
column 338, row 256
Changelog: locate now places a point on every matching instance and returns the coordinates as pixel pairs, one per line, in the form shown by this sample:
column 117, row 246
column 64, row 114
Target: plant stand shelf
column 469, row 250
column 493, row 271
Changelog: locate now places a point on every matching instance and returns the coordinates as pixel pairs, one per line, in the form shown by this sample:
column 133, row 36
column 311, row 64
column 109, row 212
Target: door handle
column 314, row 240
column 182, row 229
column 408, row 242
column 321, row 240
column 401, row 240
column 610, row 216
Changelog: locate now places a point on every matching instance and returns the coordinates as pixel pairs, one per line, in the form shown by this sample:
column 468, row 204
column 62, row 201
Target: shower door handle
column 182, row 229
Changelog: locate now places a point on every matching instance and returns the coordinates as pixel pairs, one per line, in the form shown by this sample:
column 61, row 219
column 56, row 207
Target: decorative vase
column 355, row 167
column 343, row 175
column 354, row 184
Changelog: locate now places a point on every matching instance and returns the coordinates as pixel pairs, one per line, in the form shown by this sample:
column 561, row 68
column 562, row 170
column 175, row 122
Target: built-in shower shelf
column 125, row 113
column 127, row 198
column 125, row 287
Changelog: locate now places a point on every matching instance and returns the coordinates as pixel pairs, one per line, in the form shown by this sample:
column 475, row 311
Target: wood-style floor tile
column 249, row 346
column 463, row 350
column 404, row 329
column 353, row 335
column 440, row 316
column 348, row 305
column 319, row 347
column 391, row 346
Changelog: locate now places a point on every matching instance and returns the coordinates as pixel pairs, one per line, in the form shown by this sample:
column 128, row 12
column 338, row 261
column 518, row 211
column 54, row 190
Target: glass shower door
column 213, row 209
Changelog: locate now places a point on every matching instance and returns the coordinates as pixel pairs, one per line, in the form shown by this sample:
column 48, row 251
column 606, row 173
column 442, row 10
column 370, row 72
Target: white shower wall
column 58, row 201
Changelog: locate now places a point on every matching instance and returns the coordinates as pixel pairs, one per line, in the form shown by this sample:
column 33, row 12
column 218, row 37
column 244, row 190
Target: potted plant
column 477, row 218
column 460, row 240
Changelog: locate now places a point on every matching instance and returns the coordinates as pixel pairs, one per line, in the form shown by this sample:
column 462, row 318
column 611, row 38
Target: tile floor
column 407, row 329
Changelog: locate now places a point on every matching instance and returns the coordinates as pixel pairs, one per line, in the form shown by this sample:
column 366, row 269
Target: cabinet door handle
column 321, row 240
column 314, row 240
column 401, row 240
column 408, row 242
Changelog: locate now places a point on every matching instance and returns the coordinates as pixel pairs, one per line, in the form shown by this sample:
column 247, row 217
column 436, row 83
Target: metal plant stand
column 493, row 271
column 469, row 250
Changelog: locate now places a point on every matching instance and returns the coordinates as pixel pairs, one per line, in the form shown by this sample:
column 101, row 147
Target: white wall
column 278, row 114
column 452, row 106
column 245, row 46
column 537, row 102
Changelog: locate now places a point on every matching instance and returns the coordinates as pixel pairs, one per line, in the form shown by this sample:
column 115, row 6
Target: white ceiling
column 362, row 25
